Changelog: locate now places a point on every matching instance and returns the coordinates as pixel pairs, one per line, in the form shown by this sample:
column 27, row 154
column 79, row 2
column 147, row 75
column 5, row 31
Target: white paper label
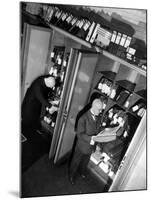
column 64, row 63
column 131, row 51
column 126, row 104
column 100, row 86
column 56, row 13
column 128, row 41
column 118, row 38
column 86, row 26
column 53, row 124
column 112, row 95
column 69, row 18
column 104, row 105
column 111, row 173
column 123, row 39
column 135, row 108
column 50, row 14
column 104, row 167
column 52, row 54
column 64, row 16
column 81, row 24
column 59, row 61
column 110, row 115
column 59, row 14
column 73, row 21
column 113, row 36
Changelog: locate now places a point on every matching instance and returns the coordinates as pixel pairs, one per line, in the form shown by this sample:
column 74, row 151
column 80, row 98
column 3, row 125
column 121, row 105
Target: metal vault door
column 76, row 100
column 132, row 174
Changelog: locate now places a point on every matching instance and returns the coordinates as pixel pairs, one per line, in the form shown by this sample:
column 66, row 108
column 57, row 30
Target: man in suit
column 35, row 97
column 87, row 128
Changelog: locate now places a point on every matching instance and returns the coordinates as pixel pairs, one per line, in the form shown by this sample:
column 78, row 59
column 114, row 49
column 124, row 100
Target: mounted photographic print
column 83, row 99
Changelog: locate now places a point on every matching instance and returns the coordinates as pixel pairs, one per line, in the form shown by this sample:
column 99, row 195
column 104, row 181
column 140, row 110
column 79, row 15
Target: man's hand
column 53, row 109
column 92, row 140
column 56, row 102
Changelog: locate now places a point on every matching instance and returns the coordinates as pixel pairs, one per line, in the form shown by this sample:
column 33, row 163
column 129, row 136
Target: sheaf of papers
column 107, row 135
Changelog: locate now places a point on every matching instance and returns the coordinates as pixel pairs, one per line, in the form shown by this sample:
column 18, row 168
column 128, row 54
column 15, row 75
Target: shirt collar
column 92, row 113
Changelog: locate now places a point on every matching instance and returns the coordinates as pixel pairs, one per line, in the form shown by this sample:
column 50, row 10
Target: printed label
column 113, row 36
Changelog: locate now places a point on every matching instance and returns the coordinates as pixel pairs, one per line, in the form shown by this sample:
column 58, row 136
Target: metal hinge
column 122, row 163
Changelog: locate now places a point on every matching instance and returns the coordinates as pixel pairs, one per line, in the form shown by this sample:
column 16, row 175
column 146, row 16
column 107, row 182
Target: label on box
column 73, row 21
column 128, row 41
column 86, row 26
column 111, row 173
column 118, row 38
column 113, row 36
column 131, row 50
column 52, row 54
column 123, row 39
column 104, row 167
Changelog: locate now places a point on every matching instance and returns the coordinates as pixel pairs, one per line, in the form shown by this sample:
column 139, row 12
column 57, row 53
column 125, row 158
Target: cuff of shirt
column 92, row 141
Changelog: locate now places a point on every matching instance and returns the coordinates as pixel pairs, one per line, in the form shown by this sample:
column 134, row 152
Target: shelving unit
column 131, row 79
column 98, row 49
column 123, row 62
column 69, row 35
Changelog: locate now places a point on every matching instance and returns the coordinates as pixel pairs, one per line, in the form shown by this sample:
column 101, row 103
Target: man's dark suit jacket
column 36, row 96
column 87, row 127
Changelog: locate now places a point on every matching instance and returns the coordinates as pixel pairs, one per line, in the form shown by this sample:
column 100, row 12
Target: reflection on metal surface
column 80, row 107
column 83, row 77
column 78, row 90
column 72, row 120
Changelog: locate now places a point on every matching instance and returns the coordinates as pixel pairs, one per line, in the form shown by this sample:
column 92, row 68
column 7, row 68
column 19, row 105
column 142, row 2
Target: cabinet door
column 131, row 174
column 77, row 99
column 64, row 98
column 34, row 54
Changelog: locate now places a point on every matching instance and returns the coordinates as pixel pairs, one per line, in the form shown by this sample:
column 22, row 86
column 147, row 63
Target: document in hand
column 107, row 135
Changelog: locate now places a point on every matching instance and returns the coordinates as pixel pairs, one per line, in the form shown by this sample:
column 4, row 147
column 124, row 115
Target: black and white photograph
column 75, row 100
column 83, row 76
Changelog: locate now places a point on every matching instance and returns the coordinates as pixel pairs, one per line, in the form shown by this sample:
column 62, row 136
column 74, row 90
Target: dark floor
column 40, row 177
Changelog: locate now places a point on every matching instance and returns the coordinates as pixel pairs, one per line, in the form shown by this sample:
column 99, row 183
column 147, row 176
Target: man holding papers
column 87, row 129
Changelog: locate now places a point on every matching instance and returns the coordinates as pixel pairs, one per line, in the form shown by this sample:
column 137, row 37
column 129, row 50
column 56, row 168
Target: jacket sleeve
column 40, row 96
column 81, row 130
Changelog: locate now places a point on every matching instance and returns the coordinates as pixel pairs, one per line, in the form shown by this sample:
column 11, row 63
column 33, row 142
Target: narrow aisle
column 44, row 178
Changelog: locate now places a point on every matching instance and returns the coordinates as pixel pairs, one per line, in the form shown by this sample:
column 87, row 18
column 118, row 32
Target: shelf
column 129, row 112
column 113, row 100
column 142, row 94
column 108, row 74
column 46, row 127
column 97, row 90
column 119, row 105
column 81, row 41
column 98, row 172
column 121, row 61
column 97, row 49
column 126, row 85
column 134, row 115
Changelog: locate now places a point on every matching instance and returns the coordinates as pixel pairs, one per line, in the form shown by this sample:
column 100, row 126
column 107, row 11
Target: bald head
column 50, row 81
column 97, row 106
